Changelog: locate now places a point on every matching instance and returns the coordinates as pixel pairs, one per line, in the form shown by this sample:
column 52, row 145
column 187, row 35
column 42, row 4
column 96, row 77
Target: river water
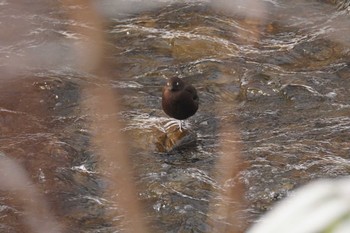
column 275, row 72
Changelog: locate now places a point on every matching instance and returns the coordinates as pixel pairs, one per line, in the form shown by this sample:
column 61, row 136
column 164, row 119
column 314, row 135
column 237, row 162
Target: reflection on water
column 281, row 78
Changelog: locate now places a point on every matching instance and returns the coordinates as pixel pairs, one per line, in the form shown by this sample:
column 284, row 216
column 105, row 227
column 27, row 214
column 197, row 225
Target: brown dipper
column 179, row 100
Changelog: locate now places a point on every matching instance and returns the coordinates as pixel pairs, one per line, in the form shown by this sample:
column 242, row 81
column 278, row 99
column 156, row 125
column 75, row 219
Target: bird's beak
column 170, row 86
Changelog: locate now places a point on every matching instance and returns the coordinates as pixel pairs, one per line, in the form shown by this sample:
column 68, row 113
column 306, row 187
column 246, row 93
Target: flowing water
column 278, row 72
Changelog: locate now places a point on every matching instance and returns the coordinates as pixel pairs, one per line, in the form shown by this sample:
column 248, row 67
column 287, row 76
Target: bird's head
column 175, row 84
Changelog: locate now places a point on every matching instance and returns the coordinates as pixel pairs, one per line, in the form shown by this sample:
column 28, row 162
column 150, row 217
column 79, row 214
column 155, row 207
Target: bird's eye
column 168, row 84
column 177, row 83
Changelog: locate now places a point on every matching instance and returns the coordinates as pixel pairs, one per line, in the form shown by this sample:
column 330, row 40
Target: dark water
column 278, row 73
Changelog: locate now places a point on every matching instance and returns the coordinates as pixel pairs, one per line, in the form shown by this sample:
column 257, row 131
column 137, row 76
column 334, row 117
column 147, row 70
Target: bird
column 179, row 100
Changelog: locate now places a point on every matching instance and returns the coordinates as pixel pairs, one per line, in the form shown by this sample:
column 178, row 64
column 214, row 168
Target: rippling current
column 276, row 71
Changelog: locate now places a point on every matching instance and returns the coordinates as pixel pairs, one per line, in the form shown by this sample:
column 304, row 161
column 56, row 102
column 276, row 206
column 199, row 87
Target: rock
column 173, row 138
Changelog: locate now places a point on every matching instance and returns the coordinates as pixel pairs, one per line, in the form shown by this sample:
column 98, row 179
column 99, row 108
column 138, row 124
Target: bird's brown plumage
column 179, row 100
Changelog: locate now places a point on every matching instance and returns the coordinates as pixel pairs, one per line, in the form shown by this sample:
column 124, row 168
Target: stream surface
column 278, row 72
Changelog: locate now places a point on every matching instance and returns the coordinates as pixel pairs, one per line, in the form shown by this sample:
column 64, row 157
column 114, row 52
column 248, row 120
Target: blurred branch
column 224, row 211
column 37, row 216
column 321, row 206
column 110, row 144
